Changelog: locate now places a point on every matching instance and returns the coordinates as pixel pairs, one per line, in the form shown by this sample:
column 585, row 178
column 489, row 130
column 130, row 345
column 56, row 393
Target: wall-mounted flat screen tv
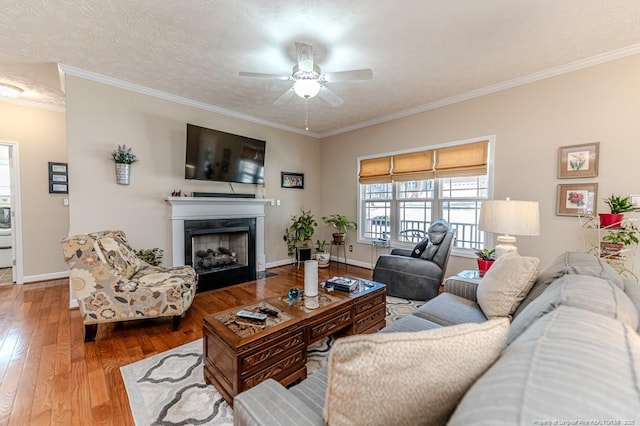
column 223, row 157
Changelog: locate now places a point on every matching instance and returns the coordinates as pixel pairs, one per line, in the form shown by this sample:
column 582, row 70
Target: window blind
column 462, row 160
column 413, row 166
column 375, row 170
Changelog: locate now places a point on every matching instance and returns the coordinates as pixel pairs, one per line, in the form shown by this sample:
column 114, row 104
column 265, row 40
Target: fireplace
column 235, row 224
column 222, row 251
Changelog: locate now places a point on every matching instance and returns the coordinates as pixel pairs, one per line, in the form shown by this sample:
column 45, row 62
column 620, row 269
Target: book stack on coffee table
column 342, row 284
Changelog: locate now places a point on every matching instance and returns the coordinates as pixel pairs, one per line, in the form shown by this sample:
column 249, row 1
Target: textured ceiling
column 421, row 51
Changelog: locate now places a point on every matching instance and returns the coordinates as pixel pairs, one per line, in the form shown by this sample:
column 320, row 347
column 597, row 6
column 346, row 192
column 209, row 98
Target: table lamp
column 509, row 217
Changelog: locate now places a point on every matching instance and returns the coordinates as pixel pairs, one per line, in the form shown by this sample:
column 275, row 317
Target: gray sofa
column 417, row 274
column 572, row 354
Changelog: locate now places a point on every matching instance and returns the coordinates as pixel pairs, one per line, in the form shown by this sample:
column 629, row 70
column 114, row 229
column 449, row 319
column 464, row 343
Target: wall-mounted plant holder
column 58, row 178
column 123, row 173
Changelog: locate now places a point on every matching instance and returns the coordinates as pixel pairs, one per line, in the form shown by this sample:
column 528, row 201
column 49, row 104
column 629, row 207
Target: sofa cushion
column 570, row 364
column 579, row 291
column 449, row 309
column 570, row 263
column 312, row 390
column 408, row 378
column 632, row 290
column 118, row 255
column 410, row 323
column 506, row 284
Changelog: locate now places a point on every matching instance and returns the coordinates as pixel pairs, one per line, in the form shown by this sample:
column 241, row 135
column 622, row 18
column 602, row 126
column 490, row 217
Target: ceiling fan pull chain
column 306, row 119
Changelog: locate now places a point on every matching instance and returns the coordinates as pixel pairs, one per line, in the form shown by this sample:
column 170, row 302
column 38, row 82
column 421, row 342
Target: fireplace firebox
column 222, row 251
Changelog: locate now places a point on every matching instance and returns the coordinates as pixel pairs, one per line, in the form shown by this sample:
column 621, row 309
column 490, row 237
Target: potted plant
column 124, row 158
column 341, row 224
column 322, row 255
column 618, row 206
column 151, row 256
column 614, row 242
column 299, row 232
column 485, row 259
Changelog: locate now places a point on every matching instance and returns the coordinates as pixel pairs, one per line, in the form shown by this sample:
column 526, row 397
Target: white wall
column 99, row 117
column 530, row 122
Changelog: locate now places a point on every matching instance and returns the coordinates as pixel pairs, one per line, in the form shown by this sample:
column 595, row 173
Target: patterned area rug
column 169, row 389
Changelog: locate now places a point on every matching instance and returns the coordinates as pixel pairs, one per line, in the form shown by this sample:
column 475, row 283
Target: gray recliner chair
column 417, row 273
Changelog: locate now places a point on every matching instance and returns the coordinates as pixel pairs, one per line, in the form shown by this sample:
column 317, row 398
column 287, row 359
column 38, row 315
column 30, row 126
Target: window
column 402, row 210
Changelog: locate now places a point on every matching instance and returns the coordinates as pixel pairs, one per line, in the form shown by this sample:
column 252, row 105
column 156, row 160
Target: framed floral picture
column 577, row 199
column 578, row 161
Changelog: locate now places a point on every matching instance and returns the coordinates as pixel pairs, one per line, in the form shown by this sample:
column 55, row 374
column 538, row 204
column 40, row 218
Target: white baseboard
column 333, row 259
column 45, row 277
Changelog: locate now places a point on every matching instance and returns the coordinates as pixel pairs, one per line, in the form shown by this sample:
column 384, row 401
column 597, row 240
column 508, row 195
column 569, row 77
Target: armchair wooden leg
column 177, row 319
column 90, row 331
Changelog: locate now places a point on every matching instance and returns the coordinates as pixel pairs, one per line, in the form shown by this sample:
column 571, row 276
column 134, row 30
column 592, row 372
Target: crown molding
column 121, row 84
column 33, row 104
column 520, row 81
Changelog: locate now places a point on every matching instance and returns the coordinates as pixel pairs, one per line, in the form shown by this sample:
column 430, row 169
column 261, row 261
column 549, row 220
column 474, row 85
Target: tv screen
column 224, row 157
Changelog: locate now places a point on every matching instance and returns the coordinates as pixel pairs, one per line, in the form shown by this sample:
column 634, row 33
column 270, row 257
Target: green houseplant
column 151, row 256
column 485, row 259
column 299, row 232
column 322, row 255
column 341, row 224
column 618, row 205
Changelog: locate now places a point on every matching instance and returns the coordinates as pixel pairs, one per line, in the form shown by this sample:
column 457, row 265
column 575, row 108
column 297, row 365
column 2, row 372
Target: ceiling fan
column 308, row 80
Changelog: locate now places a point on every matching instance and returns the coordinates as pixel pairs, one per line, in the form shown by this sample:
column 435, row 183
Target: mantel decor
column 578, row 161
column 124, row 158
column 292, row 180
column 577, row 199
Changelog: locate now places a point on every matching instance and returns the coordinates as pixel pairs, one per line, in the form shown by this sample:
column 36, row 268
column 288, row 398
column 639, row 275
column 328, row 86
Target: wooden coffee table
column 240, row 353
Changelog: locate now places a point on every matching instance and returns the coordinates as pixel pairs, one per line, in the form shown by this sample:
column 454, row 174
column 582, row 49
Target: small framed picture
column 577, row 199
column 58, row 178
column 578, row 161
column 292, row 180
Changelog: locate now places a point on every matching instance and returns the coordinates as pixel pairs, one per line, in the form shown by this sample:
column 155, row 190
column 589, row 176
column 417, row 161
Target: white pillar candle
column 310, row 278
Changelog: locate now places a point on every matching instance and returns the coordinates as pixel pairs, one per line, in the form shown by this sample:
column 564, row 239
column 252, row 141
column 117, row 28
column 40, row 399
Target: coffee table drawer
column 329, row 325
column 370, row 303
column 292, row 364
column 266, row 355
column 370, row 321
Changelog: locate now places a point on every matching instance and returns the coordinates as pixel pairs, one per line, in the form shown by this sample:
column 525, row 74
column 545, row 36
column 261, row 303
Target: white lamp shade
column 306, row 88
column 510, row 217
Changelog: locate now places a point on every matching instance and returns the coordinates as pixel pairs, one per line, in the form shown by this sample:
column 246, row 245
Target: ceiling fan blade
column 285, row 97
column 363, row 74
column 264, row 75
column 305, row 57
column 331, row 98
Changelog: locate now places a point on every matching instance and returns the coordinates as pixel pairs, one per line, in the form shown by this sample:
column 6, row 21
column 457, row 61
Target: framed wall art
column 292, row 180
column 578, row 161
column 577, row 199
column 58, row 178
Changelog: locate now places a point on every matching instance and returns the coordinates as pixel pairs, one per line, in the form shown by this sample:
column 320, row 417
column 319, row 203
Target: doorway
column 9, row 200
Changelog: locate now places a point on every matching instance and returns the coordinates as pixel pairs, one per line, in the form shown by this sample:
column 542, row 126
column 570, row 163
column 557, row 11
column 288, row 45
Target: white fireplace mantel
column 202, row 208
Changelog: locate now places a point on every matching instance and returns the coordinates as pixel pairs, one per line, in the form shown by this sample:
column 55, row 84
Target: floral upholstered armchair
column 112, row 284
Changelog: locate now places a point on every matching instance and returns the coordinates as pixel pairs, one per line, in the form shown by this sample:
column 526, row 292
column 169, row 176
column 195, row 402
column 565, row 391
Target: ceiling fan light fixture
column 10, row 91
column 306, row 89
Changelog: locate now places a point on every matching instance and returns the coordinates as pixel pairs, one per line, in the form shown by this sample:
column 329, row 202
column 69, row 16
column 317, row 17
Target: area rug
column 168, row 389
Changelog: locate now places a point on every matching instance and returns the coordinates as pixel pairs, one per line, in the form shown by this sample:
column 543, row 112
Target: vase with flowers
column 124, row 158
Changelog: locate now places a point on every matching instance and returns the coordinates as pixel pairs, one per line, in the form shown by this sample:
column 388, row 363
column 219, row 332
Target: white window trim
column 460, row 252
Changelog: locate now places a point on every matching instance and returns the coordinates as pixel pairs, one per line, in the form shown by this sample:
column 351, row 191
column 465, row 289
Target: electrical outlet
column 350, row 248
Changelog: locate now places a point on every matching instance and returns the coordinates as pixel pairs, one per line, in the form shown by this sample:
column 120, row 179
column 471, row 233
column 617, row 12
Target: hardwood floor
column 49, row 376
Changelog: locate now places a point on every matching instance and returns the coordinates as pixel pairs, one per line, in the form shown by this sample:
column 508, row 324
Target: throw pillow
column 506, row 284
column 408, row 377
column 419, row 248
